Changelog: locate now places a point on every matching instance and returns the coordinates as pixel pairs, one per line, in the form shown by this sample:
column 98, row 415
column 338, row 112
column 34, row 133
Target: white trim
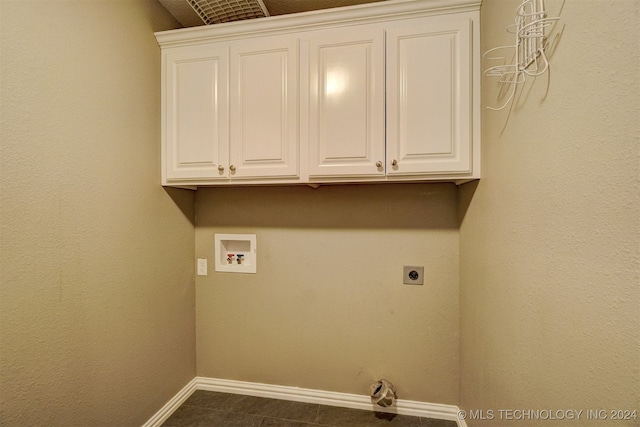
column 174, row 403
column 370, row 12
column 297, row 394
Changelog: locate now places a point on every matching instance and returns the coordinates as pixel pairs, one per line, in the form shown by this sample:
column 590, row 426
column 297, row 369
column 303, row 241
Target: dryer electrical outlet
column 412, row 275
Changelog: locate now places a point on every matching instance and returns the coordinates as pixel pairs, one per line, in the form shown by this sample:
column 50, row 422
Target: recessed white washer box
column 235, row 253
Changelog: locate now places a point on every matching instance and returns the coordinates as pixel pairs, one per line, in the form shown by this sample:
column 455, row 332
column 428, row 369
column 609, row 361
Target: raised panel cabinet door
column 429, row 97
column 346, row 102
column 264, row 139
column 195, row 113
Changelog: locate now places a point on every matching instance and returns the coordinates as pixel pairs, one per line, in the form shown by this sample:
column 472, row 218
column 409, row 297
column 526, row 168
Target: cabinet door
column 264, row 108
column 429, row 97
column 346, row 102
column 195, row 117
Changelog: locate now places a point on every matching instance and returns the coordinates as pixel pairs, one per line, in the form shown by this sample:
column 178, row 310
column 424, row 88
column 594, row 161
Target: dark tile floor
column 213, row 409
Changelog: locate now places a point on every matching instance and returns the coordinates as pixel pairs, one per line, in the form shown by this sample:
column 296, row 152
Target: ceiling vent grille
column 219, row 11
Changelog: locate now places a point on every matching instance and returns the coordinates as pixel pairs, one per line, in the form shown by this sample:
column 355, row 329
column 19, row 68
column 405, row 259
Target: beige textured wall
column 327, row 309
column 549, row 246
column 96, row 259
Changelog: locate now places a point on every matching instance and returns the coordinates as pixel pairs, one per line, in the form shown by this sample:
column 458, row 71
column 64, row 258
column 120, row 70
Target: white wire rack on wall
column 528, row 53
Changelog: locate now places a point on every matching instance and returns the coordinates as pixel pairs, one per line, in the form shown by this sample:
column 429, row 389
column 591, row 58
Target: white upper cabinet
column 263, row 106
column 388, row 91
column 231, row 111
column 346, row 102
column 195, row 130
column 429, row 97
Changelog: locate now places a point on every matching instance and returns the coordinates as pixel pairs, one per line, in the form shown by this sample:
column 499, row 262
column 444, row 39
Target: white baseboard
column 173, row 404
column 330, row 398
